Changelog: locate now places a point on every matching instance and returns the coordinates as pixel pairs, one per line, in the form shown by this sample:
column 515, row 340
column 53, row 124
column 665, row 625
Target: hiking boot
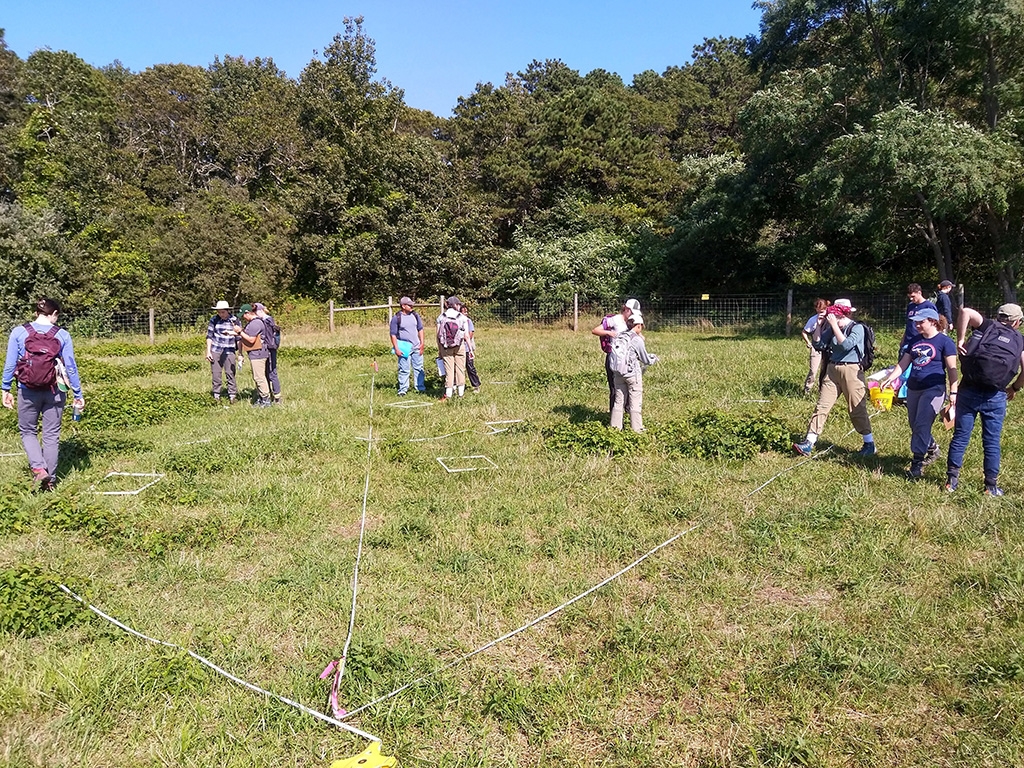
column 993, row 490
column 932, row 456
column 915, row 472
column 804, row 448
column 868, row 449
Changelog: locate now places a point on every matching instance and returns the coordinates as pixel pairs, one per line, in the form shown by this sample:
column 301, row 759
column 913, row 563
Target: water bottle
column 76, row 413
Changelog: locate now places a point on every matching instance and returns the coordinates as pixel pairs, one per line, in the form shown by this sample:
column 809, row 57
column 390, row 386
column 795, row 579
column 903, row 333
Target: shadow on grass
column 581, row 414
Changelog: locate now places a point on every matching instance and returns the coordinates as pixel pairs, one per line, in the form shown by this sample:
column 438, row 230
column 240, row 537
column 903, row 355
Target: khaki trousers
column 259, row 378
column 848, row 380
column 454, row 366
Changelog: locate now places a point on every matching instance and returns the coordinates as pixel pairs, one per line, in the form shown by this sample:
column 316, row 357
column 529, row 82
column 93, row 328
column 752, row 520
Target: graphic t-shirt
column 928, row 360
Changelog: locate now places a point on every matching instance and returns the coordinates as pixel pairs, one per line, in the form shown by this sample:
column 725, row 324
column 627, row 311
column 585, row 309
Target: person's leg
column 992, row 413
column 813, row 364
column 967, row 404
column 417, row 370
column 827, row 396
column 618, row 399
column 448, row 356
column 855, row 390
column 30, row 407
column 611, row 381
column 259, row 378
column 460, row 369
column 635, row 389
column 404, row 363
column 275, row 384
column 216, row 373
column 474, row 377
column 52, row 409
column 229, row 373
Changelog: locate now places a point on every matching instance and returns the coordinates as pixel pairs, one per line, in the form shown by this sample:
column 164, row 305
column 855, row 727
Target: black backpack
column 993, row 356
column 867, row 359
column 37, row 369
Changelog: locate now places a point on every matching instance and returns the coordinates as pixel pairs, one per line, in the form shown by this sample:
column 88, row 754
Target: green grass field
column 840, row 616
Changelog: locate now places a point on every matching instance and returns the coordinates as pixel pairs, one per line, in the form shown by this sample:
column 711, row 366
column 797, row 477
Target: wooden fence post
column 789, row 312
column 391, row 309
column 330, row 321
column 152, row 326
column 575, row 312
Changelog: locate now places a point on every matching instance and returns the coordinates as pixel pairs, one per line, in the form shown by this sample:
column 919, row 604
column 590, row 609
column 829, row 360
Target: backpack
column 621, row 354
column 271, row 333
column 37, row 369
column 451, row 333
column 993, row 356
column 606, row 341
column 867, row 359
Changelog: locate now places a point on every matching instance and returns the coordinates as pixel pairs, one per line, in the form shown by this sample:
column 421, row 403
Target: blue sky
column 434, row 50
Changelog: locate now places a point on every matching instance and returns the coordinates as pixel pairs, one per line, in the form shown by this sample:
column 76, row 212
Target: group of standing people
column 978, row 389
column 258, row 339
column 456, row 348
column 625, row 358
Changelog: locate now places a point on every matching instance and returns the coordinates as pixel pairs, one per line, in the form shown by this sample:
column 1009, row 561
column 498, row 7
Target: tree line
column 849, row 144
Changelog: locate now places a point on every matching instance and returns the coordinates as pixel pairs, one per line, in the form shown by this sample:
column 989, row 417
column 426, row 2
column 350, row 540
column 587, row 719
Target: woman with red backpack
column 33, row 352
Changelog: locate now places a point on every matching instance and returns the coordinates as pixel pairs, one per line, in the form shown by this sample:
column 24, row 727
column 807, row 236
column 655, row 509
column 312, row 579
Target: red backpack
column 37, row 368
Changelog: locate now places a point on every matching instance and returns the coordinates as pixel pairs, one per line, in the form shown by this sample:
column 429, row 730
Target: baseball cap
column 1011, row 312
column 636, row 317
column 633, row 305
column 405, row 300
column 845, row 303
column 924, row 314
column 245, row 308
column 259, row 307
column 454, row 302
column 945, row 284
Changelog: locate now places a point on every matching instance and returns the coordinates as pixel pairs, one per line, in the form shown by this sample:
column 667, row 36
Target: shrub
column 127, row 407
column 32, row 603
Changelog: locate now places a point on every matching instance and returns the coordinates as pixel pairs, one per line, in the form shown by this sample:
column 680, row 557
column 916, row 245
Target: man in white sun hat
column 221, row 345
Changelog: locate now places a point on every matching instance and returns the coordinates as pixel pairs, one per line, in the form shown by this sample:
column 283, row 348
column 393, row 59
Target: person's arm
column 806, row 337
column 953, row 374
column 250, row 339
column 67, row 354
column 642, row 354
column 10, row 363
column 600, row 330
column 896, row 372
column 967, row 317
column 1018, row 383
column 209, row 342
column 394, row 345
column 837, row 332
column 420, row 333
column 393, row 326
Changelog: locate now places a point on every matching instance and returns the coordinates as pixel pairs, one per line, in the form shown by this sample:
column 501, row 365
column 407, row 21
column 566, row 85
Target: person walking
column 406, row 330
column 811, row 333
column 221, row 348
column 943, row 302
column 989, row 360
column 452, row 330
column 33, row 351
column 629, row 359
column 472, row 375
column 915, row 302
column 252, row 344
column 609, row 327
column 272, row 342
column 842, row 340
column 931, row 358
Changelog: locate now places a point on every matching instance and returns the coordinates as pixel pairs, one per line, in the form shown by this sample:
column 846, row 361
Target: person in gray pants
column 38, row 345
column 221, row 348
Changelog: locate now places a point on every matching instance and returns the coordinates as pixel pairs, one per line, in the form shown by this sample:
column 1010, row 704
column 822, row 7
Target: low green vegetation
column 836, row 616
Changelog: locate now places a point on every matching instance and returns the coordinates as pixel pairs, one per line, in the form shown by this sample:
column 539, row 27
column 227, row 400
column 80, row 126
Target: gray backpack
column 621, row 355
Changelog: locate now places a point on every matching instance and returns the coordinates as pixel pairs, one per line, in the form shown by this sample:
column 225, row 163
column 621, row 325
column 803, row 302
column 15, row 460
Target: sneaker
column 476, row 390
column 950, row 486
column 41, row 480
column 932, row 456
column 914, row 474
column 868, row 449
column 804, row 448
column 232, row 399
column 216, row 398
column 444, row 398
column 993, row 490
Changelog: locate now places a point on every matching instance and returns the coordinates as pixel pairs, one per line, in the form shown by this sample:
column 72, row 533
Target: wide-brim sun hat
column 221, row 305
column 845, row 303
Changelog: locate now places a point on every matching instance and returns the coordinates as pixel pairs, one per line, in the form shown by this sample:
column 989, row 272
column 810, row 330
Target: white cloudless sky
column 434, row 51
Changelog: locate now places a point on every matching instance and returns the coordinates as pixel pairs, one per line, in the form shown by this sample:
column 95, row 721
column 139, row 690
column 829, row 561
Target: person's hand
column 209, row 356
column 8, row 400
column 1010, row 392
column 422, row 350
column 79, row 403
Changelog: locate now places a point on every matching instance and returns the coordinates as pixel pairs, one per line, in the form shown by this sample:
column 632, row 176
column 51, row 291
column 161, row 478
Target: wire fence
column 762, row 314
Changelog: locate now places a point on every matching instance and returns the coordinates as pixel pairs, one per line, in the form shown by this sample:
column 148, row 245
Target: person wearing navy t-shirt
column 931, row 357
column 916, row 303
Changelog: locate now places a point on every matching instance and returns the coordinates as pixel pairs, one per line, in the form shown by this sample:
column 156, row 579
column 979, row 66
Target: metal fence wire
column 768, row 314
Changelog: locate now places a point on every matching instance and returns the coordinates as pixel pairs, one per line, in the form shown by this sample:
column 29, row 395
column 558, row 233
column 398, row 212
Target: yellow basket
column 881, row 398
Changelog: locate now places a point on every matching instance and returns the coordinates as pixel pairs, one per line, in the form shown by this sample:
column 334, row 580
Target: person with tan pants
column 842, row 340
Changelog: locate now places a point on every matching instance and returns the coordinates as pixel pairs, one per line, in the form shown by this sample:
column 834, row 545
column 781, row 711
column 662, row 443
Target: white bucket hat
column 222, row 305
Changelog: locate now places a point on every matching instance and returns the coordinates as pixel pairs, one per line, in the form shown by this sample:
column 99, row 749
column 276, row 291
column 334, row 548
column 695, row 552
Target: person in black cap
column 452, row 335
column 943, row 303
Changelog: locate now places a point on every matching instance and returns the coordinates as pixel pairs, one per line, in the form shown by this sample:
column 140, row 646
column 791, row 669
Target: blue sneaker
column 868, row 449
column 993, row 490
column 804, row 448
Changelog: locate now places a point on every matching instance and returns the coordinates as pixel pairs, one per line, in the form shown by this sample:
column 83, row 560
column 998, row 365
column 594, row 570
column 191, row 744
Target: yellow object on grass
column 370, row 758
column 881, row 398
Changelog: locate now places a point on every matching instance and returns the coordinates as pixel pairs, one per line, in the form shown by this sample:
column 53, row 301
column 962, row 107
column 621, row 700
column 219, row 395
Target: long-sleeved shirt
column 16, row 350
column 639, row 358
column 852, row 348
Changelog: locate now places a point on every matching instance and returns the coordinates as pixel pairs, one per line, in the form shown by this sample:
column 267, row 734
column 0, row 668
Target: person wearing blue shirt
column 843, row 341
column 931, row 357
column 944, row 304
column 406, row 330
column 40, row 409
column 916, row 302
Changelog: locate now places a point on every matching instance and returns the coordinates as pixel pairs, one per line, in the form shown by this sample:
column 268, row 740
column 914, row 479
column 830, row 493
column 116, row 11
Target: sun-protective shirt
column 221, row 334
column 852, row 348
column 16, row 350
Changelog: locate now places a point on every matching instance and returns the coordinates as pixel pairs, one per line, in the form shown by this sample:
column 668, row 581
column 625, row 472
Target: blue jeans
column 416, row 359
column 991, row 408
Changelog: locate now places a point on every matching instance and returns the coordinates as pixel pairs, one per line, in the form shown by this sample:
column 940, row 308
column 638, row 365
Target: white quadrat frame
column 484, row 463
column 409, row 404
column 157, row 476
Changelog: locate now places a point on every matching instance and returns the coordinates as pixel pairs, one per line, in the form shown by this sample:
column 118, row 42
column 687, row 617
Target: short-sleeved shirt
column 256, row 327
column 407, row 327
column 221, row 333
column 928, row 361
column 811, row 324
